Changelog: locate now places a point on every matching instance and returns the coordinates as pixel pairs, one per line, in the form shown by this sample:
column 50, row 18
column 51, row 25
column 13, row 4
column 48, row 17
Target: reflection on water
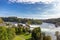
column 48, row 28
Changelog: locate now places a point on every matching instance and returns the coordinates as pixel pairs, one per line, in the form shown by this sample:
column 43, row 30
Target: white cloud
column 55, row 12
column 51, row 13
column 32, row 1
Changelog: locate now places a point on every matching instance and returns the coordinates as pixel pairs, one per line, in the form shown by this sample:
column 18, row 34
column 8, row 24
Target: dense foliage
column 55, row 21
column 36, row 34
column 20, row 29
column 21, row 20
column 1, row 21
column 7, row 33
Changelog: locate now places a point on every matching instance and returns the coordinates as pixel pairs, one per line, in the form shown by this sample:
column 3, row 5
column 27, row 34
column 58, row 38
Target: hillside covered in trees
column 55, row 21
column 21, row 20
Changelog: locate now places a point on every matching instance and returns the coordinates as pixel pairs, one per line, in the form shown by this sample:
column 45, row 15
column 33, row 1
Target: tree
column 1, row 21
column 6, row 33
column 29, row 22
column 57, row 35
column 3, row 33
column 11, row 33
column 36, row 34
column 20, row 29
column 47, row 38
column 37, row 22
column 16, row 30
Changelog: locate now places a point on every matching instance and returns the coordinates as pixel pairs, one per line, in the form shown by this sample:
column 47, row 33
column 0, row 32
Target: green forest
column 21, row 20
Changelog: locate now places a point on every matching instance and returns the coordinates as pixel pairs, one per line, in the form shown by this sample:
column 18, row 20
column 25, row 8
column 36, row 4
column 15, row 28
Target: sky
column 36, row 9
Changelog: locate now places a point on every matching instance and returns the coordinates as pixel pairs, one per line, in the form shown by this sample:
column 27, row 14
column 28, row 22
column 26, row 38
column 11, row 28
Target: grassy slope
column 17, row 38
column 22, row 37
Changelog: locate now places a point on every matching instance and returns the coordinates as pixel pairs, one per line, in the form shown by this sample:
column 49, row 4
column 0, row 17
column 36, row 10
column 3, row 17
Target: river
column 48, row 28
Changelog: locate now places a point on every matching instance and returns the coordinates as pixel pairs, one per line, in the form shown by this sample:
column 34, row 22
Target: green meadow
column 22, row 37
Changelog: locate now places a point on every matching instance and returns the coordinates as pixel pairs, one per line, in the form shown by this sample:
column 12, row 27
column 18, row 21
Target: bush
column 6, row 33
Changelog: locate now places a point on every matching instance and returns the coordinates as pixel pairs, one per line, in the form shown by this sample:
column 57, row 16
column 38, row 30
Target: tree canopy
column 21, row 20
column 1, row 21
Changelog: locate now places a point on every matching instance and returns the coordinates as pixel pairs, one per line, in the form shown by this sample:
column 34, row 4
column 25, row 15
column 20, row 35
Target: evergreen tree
column 11, row 33
column 7, row 33
column 3, row 33
column 1, row 21
column 36, row 34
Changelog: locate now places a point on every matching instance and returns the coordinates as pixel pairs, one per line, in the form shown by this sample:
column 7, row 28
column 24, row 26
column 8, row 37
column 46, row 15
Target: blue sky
column 37, row 9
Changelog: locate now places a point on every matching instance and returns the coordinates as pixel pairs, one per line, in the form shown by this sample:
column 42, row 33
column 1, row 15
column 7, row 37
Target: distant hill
column 21, row 20
column 54, row 21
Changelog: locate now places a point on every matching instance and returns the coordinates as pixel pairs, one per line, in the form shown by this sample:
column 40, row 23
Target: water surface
column 48, row 28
